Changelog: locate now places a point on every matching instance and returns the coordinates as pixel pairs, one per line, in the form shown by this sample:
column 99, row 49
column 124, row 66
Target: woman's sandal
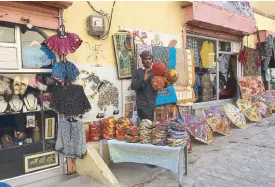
column 24, row 85
column 16, row 85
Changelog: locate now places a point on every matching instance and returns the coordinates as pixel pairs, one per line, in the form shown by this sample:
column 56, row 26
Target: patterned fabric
column 252, row 114
column 183, row 110
column 161, row 54
column 207, row 53
column 108, row 127
column 223, row 63
column 251, row 86
column 139, row 49
column 145, row 131
column 260, row 108
column 235, row 115
column 192, row 44
column 65, row 72
column 70, row 100
column 209, row 134
column 186, row 71
column 71, row 139
column 122, row 126
column 158, row 82
column 269, row 45
column 163, row 156
column 171, row 76
column 124, row 51
column 206, row 88
column 160, row 112
column 243, row 104
column 196, row 127
column 217, row 120
column 166, row 96
column 251, row 69
column 171, row 111
column 159, row 133
column 196, row 87
column 63, row 45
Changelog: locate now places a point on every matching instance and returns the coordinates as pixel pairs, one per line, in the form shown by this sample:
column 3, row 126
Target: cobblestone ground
column 245, row 158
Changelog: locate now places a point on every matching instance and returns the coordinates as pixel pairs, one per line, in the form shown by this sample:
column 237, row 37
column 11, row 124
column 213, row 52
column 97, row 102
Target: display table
column 170, row 158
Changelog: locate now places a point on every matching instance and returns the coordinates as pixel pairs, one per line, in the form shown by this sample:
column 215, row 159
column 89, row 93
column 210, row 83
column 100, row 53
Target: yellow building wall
column 164, row 17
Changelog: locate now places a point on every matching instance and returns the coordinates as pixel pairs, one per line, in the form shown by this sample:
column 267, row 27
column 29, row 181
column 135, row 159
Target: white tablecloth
column 167, row 157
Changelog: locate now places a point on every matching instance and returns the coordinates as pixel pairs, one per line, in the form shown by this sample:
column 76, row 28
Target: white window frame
column 17, row 45
column 239, row 72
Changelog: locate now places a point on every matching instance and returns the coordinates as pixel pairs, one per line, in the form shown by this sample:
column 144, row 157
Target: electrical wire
column 105, row 15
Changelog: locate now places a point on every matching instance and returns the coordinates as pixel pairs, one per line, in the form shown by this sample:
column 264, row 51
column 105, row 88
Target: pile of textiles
column 123, row 124
column 176, row 135
column 146, row 127
column 109, row 128
column 159, row 133
column 180, row 126
column 132, row 134
column 94, row 131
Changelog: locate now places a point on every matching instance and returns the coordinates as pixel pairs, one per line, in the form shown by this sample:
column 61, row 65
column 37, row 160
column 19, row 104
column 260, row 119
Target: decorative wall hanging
column 49, row 128
column 129, row 99
column 124, row 51
column 139, row 49
column 186, row 71
column 235, row 115
column 161, row 54
column 268, row 51
column 251, row 86
column 154, row 38
column 171, row 111
column 251, row 69
column 41, row 161
column 102, row 86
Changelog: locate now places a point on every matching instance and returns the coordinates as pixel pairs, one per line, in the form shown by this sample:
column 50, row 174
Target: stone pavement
column 245, row 158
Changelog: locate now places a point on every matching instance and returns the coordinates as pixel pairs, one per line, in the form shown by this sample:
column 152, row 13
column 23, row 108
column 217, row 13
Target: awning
column 234, row 17
column 40, row 13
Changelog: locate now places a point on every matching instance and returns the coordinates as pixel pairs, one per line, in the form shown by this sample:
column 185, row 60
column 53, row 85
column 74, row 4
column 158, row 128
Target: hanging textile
column 71, row 139
column 161, row 54
column 207, row 53
column 269, row 45
column 186, row 71
column 65, row 72
column 124, row 52
column 251, row 69
column 139, row 49
column 192, row 44
column 70, row 100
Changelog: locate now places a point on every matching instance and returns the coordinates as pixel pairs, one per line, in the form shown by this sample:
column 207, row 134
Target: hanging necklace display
column 3, row 104
column 31, row 102
column 30, row 118
column 16, row 103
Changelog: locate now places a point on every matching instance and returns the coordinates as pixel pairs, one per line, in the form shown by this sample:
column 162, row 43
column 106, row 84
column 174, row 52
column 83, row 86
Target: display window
column 216, row 68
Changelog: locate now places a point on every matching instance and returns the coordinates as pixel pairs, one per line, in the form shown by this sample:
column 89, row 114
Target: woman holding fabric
column 141, row 83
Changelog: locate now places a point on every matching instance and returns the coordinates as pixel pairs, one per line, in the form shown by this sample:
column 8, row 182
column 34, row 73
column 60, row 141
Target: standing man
column 141, row 83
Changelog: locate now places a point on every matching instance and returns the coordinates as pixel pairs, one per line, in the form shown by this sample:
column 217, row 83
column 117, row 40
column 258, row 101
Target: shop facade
column 28, row 125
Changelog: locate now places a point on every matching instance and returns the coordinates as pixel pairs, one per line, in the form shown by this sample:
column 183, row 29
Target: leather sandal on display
column 16, row 85
column 24, row 85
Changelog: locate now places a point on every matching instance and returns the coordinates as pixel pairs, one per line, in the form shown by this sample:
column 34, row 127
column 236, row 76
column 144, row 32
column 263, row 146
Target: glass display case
column 27, row 126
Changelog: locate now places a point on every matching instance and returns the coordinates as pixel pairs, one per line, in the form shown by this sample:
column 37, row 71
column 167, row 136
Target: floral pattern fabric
column 217, row 120
column 251, row 86
column 235, row 115
column 193, row 45
column 251, row 69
